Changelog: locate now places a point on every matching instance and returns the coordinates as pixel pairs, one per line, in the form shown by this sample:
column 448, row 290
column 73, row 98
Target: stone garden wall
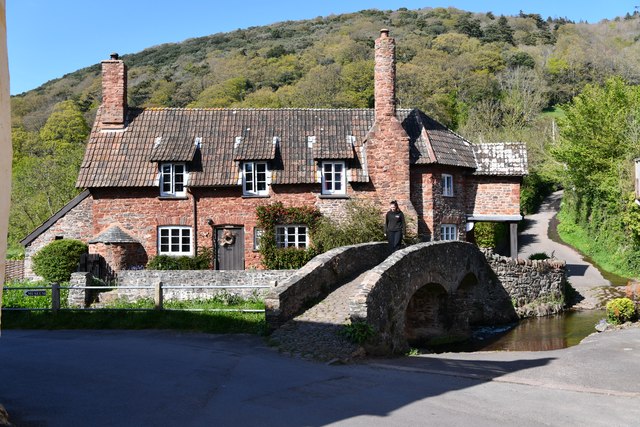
column 536, row 287
column 243, row 282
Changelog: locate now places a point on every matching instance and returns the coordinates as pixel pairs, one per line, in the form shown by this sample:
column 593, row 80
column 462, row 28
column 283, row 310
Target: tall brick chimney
column 114, row 93
column 385, row 75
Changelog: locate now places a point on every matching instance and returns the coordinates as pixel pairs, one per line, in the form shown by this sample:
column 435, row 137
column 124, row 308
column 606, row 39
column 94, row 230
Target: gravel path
column 317, row 330
column 583, row 276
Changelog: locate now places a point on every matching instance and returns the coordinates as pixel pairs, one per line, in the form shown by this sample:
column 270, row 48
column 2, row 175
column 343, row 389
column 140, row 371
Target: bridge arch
column 429, row 290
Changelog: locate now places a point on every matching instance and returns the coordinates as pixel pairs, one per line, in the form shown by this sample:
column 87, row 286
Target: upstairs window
column 448, row 232
column 173, row 178
column 333, row 178
column 255, row 177
column 174, row 241
column 291, row 236
column 447, row 185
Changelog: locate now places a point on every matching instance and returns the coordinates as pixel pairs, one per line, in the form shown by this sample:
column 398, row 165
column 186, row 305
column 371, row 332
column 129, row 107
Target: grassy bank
column 206, row 321
column 605, row 250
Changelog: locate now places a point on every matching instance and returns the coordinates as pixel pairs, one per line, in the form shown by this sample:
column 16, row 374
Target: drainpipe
column 195, row 220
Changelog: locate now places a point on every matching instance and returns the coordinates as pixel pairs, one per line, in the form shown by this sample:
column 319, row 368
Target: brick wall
column 114, row 93
column 388, row 144
column 76, row 224
column 493, row 195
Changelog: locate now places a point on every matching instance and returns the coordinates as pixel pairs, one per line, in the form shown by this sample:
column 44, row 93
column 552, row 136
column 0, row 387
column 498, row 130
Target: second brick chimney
column 385, row 75
column 114, row 93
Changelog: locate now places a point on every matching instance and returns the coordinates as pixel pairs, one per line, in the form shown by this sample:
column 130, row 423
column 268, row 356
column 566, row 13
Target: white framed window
column 333, row 178
column 257, row 235
column 175, row 241
column 291, row 236
column 448, row 232
column 173, row 179
column 255, row 179
column 447, row 185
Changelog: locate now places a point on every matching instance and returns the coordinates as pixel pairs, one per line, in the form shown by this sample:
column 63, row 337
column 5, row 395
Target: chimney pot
column 384, row 32
column 114, row 56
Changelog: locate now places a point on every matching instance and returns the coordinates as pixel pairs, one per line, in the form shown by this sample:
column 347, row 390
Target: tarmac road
column 582, row 275
column 165, row 378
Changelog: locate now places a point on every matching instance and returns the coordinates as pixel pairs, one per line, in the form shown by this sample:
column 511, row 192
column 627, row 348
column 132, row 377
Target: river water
column 538, row 334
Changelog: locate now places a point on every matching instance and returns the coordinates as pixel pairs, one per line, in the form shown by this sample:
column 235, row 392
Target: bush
column 14, row 297
column 539, row 256
column 489, row 234
column 362, row 222
column 620, row 310
column 56, row 261
column 202, row 261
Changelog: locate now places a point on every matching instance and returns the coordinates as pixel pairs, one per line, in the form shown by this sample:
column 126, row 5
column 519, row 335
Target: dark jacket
column 394, row 221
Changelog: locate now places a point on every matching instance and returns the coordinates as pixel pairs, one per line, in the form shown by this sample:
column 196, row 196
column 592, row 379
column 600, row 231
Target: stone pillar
column 513, row 239
column 114, row 93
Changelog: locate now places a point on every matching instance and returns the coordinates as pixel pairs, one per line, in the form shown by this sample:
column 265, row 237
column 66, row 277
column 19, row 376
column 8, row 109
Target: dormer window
column 447, row 185
column 255, row 179
column 333, row 178
column 173, row 180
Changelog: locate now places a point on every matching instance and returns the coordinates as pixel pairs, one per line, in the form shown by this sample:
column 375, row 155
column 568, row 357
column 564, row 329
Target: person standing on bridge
column 394, row 226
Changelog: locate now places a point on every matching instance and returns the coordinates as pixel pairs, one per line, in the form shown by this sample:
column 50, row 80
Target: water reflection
column 539, row 334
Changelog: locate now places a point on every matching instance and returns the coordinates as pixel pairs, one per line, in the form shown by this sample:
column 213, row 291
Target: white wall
column 5, row 142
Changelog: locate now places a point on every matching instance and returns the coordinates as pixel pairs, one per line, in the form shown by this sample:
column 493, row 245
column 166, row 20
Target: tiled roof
column 432, row 142
column 114, row 234
column 215, row 140
column 504, row 158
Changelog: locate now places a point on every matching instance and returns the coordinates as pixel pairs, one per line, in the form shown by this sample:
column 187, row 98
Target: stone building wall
column 76, row 224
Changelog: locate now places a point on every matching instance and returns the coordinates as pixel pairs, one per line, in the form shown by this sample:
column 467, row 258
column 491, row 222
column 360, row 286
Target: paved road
column 583, row 276
column 163, row 378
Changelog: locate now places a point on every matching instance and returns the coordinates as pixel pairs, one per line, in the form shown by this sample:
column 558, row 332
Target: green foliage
column 489, row 234
column 620, row 310
column 358, row 332
column 273, row 257
column 56, row 261
column 14, row 297
column 539, row 256
column 202, row 261
column 534, row 189
column 362, row 222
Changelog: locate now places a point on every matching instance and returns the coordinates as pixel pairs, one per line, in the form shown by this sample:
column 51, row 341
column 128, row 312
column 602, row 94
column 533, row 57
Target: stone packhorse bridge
column 426, row 291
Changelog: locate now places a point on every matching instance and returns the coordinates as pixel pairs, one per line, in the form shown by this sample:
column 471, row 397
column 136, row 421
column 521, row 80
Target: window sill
column 173, row 198
column 255, row 196
column 334, row 196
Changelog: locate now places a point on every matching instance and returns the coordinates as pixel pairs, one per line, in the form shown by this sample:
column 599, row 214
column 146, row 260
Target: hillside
column 487, row 77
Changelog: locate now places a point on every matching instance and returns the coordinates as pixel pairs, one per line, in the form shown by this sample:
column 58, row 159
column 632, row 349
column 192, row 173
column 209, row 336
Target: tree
column 64, row 128
column 223, row 94
column 498, row 31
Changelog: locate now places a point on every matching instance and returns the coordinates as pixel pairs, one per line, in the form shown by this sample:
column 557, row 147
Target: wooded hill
column 487, row 77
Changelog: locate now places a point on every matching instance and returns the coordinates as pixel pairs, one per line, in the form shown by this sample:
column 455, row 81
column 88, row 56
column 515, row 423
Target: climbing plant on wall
column 272, row 215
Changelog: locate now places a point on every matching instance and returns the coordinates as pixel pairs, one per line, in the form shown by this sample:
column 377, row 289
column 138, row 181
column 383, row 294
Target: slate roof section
column 113, row 234
column 501, row 159
column 129, row 157
column 432, row 142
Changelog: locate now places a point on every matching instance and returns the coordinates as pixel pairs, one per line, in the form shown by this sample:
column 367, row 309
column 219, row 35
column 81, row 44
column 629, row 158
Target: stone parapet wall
column 318, row 278
column 536, row 287
column 244, row 284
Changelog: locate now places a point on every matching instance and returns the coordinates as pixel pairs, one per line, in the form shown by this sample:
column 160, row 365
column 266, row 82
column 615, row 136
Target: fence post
column 55, row 297
column 158, row 299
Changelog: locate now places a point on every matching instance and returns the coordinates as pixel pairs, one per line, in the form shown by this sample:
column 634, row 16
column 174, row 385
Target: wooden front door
column 230, row 248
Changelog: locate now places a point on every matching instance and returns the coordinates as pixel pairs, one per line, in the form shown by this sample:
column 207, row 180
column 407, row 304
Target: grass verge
column 209, row 322
column 606, row 254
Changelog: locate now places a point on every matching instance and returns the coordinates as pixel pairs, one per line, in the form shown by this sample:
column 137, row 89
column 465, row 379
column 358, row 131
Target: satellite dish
column 469, row 226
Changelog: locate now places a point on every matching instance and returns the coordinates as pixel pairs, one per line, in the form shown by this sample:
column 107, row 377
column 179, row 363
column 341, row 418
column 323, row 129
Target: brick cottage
column 170, row 180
